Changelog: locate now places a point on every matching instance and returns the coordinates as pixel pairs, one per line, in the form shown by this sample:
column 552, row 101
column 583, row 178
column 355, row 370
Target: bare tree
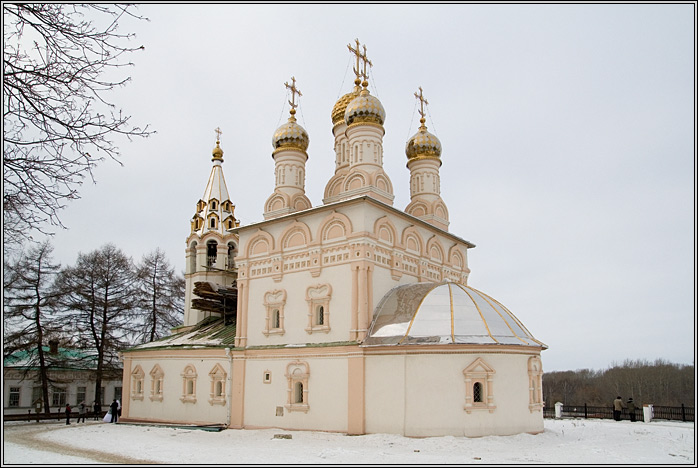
column 58, row 68
column 99, row 295
column 29, row 315
column 161, row 294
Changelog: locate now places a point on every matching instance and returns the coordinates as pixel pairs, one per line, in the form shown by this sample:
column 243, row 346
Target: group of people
column 114, row 411
column 619, row 406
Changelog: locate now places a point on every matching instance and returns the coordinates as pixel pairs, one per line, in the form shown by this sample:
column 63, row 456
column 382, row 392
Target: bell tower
column 211, row 247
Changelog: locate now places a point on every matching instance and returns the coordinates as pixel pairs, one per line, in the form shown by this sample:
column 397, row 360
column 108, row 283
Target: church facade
column 351, row 316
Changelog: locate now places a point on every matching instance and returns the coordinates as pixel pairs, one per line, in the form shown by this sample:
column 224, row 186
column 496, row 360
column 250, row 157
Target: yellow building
column 351, row 316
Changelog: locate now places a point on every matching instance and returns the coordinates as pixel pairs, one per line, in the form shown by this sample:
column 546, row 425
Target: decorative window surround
column 156, row 383
column 297, row 373
column 318, row 298
column 218, row 378
column 535, row 384
column 274, row 302
column 479, row 374
column 189, row 385
column 137, row 378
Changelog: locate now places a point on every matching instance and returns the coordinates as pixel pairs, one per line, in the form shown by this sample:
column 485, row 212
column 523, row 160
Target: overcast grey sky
column 567, row 132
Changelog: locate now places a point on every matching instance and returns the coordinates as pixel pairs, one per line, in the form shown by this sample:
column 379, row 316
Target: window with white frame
column 58, row 397
column 535, row 384
column 189, row 385
column 157, row 377
column 81, row 395
column 14, row 396
column 274, row 302
column 479, row 388
column 318, row 298
column 218, row 379
column 137, row 378
column 297, row 374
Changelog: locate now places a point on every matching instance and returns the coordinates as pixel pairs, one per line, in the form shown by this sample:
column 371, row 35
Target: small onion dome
column 291, row 135
column 341, row 106
column 364, row 108
column 423, row 144
column 217, row 152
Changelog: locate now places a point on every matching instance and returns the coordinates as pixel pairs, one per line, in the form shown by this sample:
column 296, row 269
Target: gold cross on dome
column 357, row 52
column 294, row 91
column 422, row 101
column 364, row 57
column 219, row 132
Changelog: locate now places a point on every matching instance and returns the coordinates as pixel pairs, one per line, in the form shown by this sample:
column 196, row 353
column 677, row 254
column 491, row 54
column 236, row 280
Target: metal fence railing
column 672, row 413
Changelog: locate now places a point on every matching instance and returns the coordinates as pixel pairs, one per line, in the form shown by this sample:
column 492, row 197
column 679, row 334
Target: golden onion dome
column 364, row 109
column 217, row 152
column 423, row 144
column 341, row 106
column 291, row 135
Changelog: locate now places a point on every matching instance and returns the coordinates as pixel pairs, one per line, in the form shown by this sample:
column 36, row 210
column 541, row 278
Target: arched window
column 156, row 379
column 213, row 223
column 320, row 316
column 297, row 373
column 298, row 393
column 189, row 385
column 218, row 380
column 274, row 302
column 479, row 388
column 477, row 392
column 137, row 377
column 211, row 252
column 318, row 298
column 535, row 384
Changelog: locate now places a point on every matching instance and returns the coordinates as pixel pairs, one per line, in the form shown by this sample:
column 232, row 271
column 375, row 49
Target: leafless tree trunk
column 99, row 294
column 29, row 318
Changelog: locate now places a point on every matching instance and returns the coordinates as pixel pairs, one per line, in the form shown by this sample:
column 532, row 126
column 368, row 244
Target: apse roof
column 441, row 313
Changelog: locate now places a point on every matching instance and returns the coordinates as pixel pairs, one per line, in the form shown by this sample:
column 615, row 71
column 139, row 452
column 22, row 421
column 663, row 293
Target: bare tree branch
column 59, row 64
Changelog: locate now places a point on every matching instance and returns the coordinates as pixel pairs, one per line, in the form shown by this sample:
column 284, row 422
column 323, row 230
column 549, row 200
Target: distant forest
column 659, row 383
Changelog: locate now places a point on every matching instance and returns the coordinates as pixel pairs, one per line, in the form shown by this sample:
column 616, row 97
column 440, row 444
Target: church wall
column 296, row 308
column 430, row 395
column 170, row 407
column 326, row 387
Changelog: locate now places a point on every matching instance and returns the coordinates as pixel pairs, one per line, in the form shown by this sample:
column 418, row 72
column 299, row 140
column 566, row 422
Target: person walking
column 68, row 409
column 82, row 410
column 114, row 410
column 618, row 406
column 631, row 409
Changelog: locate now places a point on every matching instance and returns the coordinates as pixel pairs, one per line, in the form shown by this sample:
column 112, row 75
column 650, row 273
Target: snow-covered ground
column 569, row 441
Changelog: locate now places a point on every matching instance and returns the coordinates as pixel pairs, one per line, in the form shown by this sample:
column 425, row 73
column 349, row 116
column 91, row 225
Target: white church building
column 352, row 316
